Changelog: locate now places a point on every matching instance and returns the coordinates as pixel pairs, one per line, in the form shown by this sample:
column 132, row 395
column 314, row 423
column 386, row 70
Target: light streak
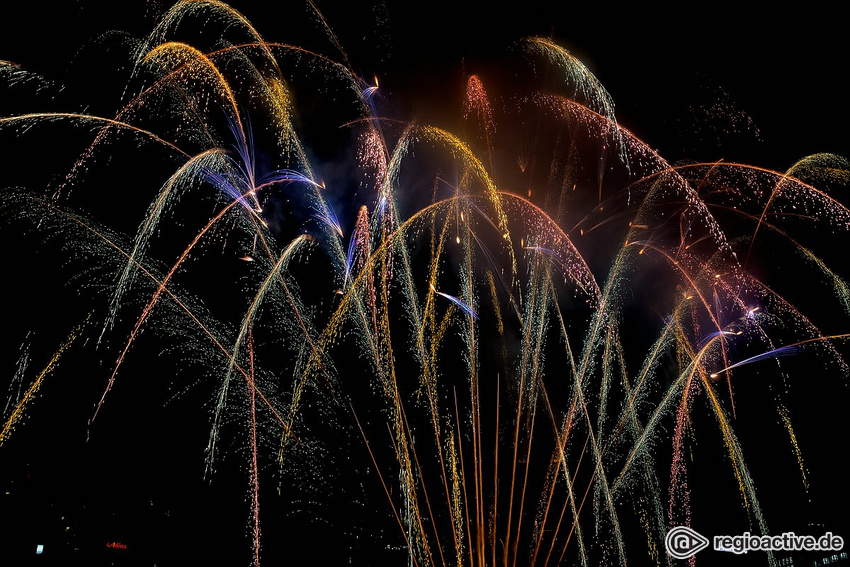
column 462, row 305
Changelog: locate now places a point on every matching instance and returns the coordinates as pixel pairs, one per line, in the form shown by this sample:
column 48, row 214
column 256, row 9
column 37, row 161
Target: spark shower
column 512, row 335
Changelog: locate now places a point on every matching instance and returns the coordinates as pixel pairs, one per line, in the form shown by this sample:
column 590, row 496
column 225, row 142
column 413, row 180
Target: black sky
column 781, row 68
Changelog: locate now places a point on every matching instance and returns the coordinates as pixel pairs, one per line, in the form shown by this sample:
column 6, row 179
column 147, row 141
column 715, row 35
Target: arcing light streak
column 463, row 306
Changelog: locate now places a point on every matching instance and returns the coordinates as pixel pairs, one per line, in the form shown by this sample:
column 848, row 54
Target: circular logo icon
column 683, row 542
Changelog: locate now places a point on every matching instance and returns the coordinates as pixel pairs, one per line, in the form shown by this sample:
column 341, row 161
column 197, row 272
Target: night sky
column 722, row 82
column 780, row 68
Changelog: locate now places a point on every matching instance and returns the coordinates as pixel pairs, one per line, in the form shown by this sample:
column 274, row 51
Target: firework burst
column 489, row 344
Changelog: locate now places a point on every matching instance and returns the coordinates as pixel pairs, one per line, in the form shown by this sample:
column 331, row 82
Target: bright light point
column 246, row 259
column 457, row 239
column 714, row 376
column 39, row 549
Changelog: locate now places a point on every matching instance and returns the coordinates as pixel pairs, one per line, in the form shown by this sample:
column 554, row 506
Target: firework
column 612, row 316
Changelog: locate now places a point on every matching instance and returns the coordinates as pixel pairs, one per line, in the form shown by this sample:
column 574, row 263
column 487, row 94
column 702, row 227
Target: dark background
column 783, row 68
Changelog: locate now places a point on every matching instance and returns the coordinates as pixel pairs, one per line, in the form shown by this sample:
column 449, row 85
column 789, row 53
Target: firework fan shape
column 526, row 339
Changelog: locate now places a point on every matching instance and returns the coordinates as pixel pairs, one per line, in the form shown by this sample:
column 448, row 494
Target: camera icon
column 683, row 542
